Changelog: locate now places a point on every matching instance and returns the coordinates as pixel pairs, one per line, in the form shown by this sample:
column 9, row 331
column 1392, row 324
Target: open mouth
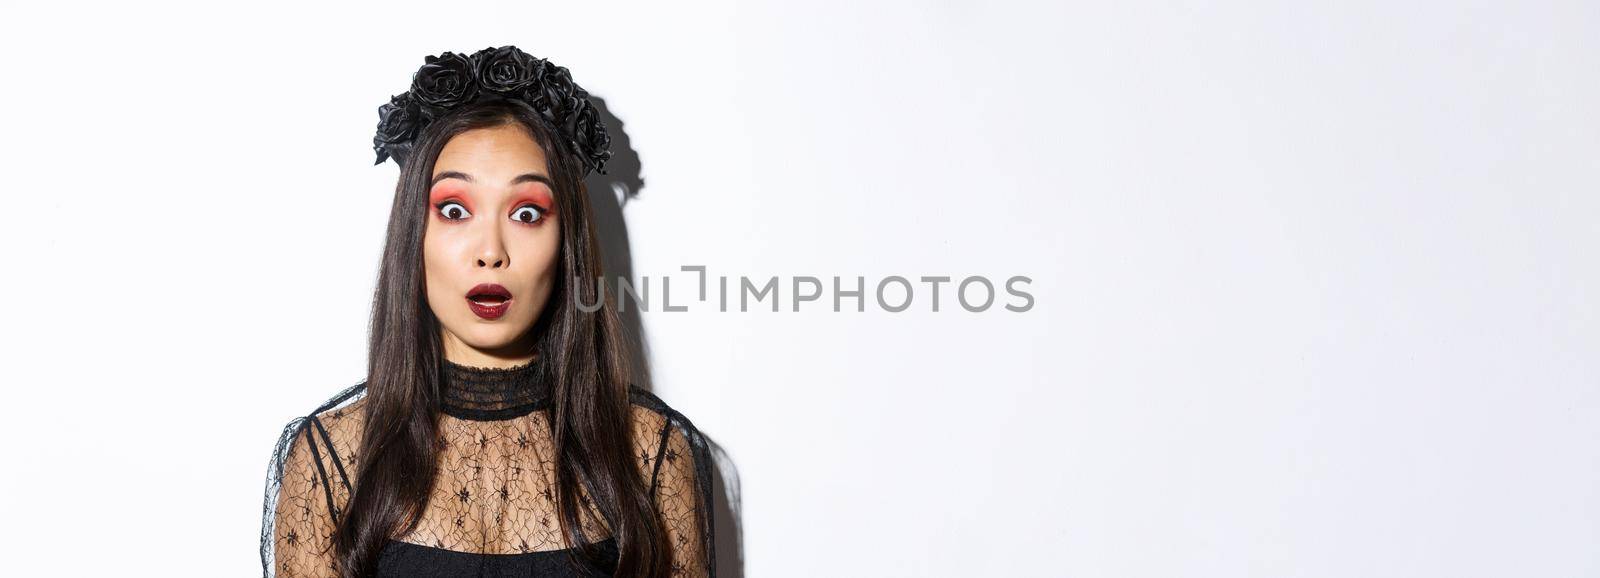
column 489, row 300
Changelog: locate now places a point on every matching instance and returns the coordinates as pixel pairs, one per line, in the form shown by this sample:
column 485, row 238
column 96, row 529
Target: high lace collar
column 493, row 393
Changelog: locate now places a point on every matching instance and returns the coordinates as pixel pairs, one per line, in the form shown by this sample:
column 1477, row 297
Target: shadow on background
column 608, row 194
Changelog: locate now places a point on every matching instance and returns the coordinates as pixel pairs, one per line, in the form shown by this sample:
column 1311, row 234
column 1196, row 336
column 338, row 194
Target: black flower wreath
column 449, row 81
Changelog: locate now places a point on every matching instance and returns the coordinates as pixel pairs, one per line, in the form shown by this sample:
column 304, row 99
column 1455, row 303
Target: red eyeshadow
column 449, row 193
column 537, row 195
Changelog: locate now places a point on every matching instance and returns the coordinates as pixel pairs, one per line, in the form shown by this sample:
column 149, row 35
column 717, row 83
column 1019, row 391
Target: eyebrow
column 519, row 179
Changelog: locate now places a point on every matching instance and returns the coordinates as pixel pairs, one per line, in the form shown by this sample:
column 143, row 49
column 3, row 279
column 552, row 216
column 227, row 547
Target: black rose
column 562, row 96
column 507, row 69
column 588, row 133
column 397, row 126
column 451, row 80
column 444, row 82
column 478, row 56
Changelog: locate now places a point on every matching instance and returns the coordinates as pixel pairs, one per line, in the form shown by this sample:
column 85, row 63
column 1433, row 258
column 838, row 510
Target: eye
column 528, row 214
column 452, row 211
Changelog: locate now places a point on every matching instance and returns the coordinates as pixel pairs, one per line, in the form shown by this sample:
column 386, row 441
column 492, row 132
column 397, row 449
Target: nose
column 492, row 254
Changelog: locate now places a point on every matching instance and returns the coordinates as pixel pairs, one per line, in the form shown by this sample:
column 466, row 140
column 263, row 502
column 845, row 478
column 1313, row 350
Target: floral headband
column 450, row 81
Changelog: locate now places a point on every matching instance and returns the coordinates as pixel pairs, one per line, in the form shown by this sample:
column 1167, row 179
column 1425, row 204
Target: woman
column 497, row 433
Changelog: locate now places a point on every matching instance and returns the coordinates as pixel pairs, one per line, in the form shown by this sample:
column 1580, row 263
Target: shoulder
column 325, row 433
column 340, row 414
column 655, row 415
column 668, row 444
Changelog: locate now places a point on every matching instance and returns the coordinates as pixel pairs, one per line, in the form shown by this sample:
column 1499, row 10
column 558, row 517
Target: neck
column 492, row 393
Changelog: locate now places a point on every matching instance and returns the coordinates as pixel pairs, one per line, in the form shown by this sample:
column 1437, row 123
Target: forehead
column 504, row 149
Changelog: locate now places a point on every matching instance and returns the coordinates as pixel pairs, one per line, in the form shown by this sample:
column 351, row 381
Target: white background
column 1314, row 282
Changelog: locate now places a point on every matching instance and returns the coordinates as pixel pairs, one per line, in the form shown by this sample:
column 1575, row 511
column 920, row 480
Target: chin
column 490, row 338
column 482, row 342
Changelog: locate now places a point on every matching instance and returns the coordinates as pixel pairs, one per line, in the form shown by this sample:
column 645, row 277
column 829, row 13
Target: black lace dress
column 493, row 510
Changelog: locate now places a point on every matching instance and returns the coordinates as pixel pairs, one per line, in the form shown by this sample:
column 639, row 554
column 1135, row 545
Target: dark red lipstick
column 489, row 300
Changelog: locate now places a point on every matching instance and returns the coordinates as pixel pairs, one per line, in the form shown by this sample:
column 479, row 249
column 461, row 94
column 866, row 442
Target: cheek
column 540, row 255
column 539, row 248
column 438, row 258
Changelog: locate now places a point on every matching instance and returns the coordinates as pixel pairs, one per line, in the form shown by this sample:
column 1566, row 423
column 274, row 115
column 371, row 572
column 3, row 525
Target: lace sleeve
column 679, row 463
column 307, row 483
column 296, row 536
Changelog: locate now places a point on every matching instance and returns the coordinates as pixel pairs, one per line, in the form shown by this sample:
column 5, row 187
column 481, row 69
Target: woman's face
column 491, row 242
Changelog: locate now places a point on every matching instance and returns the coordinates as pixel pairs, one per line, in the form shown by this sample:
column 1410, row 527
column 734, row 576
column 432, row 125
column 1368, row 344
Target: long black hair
column 584, row 354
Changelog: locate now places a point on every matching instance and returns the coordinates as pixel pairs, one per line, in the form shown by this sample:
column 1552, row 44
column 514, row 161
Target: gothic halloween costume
column 494, row 504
